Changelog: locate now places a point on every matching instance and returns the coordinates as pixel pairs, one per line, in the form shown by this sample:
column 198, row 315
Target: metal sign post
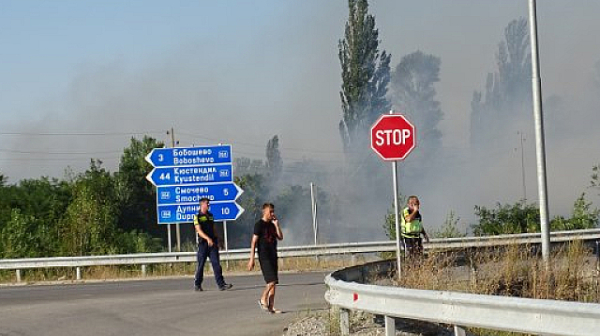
column 393, row 138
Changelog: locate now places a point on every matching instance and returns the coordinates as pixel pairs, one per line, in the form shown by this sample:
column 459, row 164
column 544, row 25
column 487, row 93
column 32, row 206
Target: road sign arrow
column 182, row 213
column 189, row 156
column 162, row 176
column 193, row 193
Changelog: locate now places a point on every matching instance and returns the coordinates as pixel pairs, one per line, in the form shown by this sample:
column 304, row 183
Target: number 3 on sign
column 165, row 176
column 161, row 157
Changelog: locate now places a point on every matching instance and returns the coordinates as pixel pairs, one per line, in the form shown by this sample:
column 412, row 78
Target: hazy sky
column 79, row 78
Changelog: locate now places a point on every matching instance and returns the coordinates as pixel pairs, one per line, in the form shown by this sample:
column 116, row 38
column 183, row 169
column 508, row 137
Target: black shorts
column 413, row 245
column 269, row 267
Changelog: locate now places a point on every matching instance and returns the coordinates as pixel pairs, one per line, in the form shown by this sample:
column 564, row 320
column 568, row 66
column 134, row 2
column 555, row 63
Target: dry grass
column 571, row 274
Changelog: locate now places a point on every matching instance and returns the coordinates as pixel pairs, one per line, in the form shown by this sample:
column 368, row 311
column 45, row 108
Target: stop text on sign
column 392, row 137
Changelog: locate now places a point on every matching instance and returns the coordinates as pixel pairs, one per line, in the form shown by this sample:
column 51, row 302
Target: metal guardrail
column 287, row 252
column 541, row 317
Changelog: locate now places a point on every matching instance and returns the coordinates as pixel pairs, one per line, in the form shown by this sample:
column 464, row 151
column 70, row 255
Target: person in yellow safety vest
column 412, row 227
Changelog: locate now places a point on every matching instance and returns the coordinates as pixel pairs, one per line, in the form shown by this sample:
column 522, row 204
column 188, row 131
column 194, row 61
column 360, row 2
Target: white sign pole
column 314, row 210
column 169, row 236
column 225, row 234
column 225, row 242
column 397, row 222
column 396, row 214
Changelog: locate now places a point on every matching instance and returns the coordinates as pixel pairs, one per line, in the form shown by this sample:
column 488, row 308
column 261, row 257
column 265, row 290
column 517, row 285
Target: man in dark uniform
column 208, row 246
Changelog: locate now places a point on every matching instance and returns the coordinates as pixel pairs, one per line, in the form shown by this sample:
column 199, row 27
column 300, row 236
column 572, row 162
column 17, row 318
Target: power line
column 261, row 146
column 78, row 133
column 57, row 153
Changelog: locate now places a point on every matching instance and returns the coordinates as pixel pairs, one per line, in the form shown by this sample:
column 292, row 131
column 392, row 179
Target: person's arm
column 278, row 232
column 201, row 233
column 252, row 248
column 425, row 235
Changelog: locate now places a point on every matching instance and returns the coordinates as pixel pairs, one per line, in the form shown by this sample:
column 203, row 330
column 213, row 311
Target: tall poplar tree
column 365, row 76
column 274, row 161
column 507, row 95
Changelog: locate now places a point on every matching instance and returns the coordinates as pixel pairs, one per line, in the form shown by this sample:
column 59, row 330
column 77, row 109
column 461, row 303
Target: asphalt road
column 157, row 307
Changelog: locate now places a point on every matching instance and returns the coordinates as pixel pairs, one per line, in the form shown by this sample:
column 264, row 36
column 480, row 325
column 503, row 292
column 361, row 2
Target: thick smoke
column 283, row 77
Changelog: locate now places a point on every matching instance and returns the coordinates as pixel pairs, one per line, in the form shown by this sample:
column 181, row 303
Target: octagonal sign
column 393, row 137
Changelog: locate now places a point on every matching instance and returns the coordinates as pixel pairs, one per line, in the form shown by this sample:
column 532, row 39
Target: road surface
column 156, row 307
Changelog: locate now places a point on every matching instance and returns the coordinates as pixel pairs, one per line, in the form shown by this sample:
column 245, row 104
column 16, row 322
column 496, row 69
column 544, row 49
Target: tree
column 525, row 218
column 449, row 229
column 365, row 76
column 136, row 195
column 90, row 222
column 508, row 91
column 23, row 237
column 413, row 94
column 255, row 194
column 506, row 219
column 39, row 205
column 583, row 217
column 595, row 182
column 274, row 162
column 247, row 166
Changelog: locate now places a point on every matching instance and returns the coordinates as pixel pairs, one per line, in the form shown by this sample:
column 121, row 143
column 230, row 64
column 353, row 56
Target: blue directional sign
column 228, row 191
column 189, row 156
column 163, row 176
column 183, row 176
column 183, row 213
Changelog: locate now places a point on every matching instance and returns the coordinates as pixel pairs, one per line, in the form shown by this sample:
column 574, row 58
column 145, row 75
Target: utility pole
column 536, row 84
column 177, row 228
column 313, row 202
column 523, row 168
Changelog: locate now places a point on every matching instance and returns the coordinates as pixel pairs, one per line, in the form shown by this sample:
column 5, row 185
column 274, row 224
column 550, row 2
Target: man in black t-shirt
column 266, row 233
column 208, row 246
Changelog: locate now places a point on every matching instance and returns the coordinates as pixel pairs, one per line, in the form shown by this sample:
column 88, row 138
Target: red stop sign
column 393, row 137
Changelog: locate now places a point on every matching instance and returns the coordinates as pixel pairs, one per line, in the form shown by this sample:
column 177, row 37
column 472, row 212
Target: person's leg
column 271, row 296
column 201, row 260
column 408, row 245
column 216, row 266
column 264, row 298
column 419, row 244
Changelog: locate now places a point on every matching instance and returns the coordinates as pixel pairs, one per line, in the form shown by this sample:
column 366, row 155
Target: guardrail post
column 344, row 322
column 144, row 271
column 597, row 252
column 458, row 331
column 78, row 271
column 390, row 326
column 18, row 275
column 353, row 259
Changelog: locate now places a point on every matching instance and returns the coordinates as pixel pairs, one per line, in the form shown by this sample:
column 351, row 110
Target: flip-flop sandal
column 262, row 306
column 275, row 311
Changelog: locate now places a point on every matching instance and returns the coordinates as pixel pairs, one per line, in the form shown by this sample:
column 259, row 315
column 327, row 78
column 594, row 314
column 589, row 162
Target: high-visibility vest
column 413, row 228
